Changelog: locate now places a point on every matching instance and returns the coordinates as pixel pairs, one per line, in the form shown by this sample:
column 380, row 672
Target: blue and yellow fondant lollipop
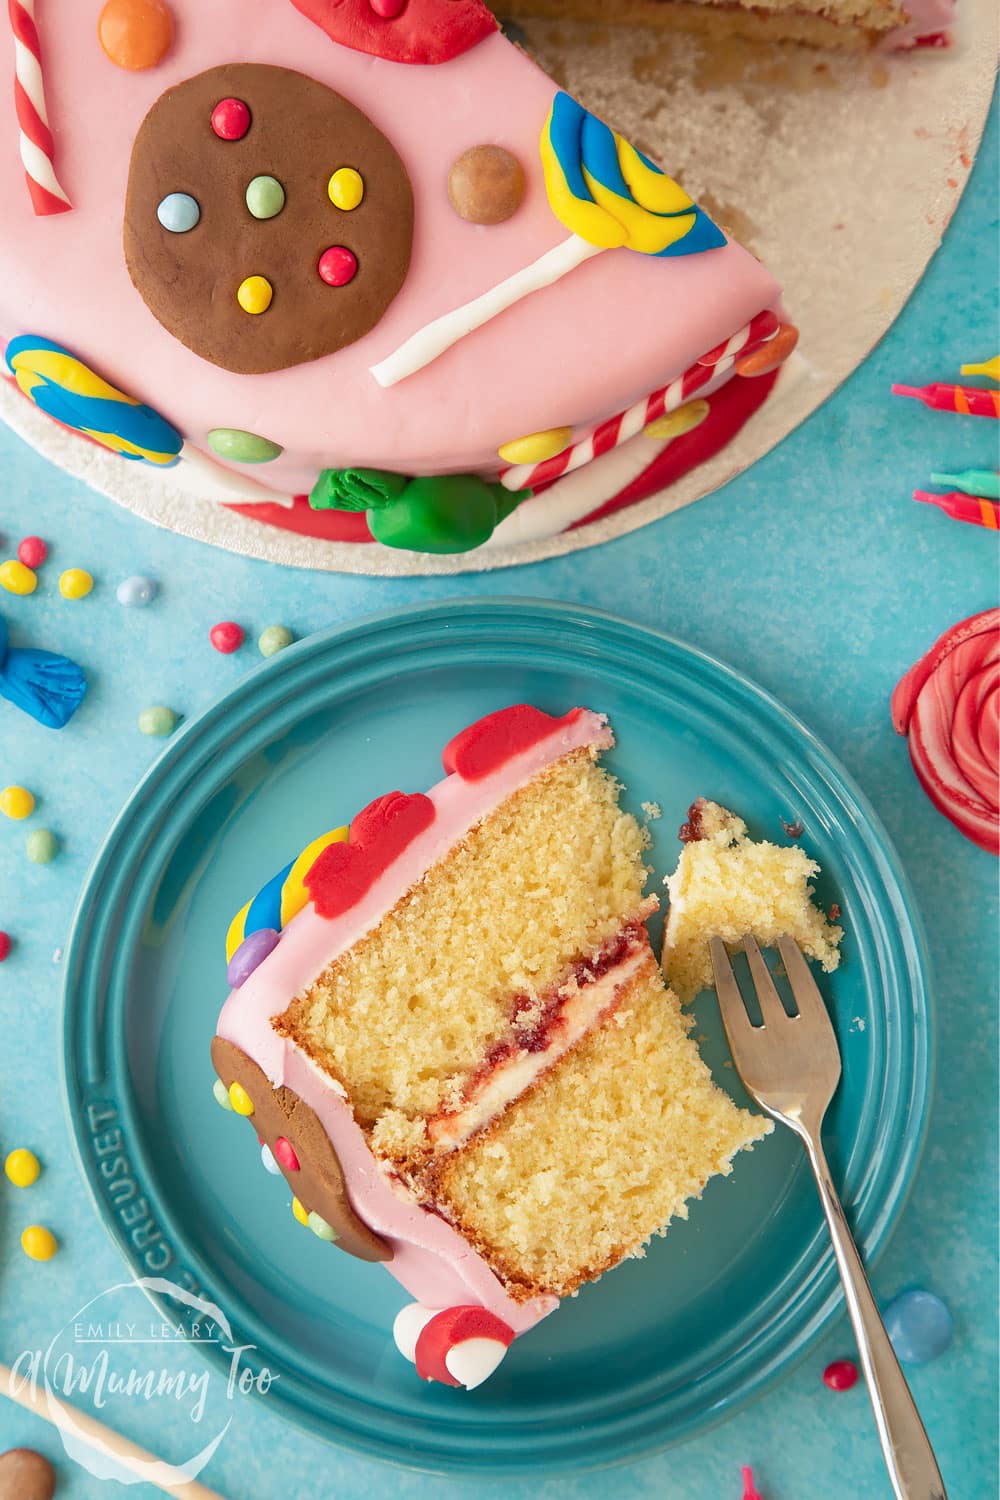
column 609, row 194
column 65, row 388
column 276, row 903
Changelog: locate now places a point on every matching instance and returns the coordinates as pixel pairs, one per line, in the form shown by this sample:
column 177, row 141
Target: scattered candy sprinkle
column 16, row 578
column 32, row 551
column 158, row 721
column 269, row 1162
column 226, row 637
column 299, row 1211
column 274, row 639
column 16, row 802
column 42, row 846
column 75, row 583
column 136, row 591
column 841, row 1375
column 240, row 1099
column 5, row 946
column 221, row 1094
column 22, row 1167
column 919, row 1325
column 38, row 1243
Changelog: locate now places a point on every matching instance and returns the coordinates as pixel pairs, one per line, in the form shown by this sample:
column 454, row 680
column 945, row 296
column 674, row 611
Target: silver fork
column 791, row 1067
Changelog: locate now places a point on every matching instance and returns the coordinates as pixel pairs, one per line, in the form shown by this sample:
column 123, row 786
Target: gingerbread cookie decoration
column 268, row 222
column 301, row 1148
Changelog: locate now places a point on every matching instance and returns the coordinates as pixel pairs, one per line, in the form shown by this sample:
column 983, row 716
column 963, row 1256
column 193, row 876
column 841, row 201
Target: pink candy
column 226, row 637
column 284, row 1154
column 231, row 119
column 337, row 266
column 32, row 551
column 840, row 1375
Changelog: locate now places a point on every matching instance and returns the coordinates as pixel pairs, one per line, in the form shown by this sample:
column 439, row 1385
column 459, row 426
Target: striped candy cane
column 37, row 145
column 618, row 430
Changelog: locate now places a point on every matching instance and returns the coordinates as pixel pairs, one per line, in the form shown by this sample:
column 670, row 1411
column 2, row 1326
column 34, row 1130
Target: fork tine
column 772, row 1012
column 812, row 1006
column 739, row 1029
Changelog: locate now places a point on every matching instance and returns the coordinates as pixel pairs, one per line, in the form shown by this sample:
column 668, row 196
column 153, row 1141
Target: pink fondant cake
column 448, row 1029
column 360, row 270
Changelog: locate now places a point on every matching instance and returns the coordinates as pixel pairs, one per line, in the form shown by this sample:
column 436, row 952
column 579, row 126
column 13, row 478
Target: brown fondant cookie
column 267, row 221
column 302, row 1149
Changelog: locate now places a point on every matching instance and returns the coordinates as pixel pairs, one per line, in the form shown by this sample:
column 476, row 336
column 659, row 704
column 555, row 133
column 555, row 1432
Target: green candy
column 321, row 1229
column 42, row 846
column 243, row 447
column 438, row 513
column 274, row 639
column 221, row 1094
column 158, row 721
column 265, row 197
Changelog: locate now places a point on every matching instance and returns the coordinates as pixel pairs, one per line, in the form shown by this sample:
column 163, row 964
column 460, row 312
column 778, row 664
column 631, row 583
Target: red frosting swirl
column 948, row 705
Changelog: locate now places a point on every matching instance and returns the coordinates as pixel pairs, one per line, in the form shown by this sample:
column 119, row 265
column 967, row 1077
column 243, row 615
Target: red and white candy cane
column 37, row 145
column 617, row 430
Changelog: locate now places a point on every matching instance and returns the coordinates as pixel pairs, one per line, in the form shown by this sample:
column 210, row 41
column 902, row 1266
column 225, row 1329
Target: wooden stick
column 80, row 1424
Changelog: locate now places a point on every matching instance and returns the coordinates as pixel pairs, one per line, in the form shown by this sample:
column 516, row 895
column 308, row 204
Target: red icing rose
column 451, row 1327
column 494, row 740
column 344, row 873
column 949, row 706
column 416, row 31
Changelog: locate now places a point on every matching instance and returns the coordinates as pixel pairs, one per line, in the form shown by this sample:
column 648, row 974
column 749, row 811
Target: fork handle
column 906, row 1448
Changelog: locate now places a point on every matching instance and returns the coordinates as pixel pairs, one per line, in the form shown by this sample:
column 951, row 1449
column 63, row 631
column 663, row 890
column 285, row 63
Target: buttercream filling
column 544, row 1030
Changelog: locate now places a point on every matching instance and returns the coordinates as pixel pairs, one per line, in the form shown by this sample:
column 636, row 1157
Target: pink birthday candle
column 972, row 508
column 970, row 400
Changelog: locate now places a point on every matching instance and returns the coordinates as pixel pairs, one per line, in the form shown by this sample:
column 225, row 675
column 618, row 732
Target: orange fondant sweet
column 136, row 34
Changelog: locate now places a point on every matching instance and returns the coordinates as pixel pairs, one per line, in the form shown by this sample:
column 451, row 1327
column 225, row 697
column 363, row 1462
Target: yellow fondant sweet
column 240, row 1099
column 346, row 188
column 537, row 446
column 254, row 294
column 299, row 1211
column 675, row 423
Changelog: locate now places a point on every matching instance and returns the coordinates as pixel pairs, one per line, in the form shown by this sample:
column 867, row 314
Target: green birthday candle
column 983, row 483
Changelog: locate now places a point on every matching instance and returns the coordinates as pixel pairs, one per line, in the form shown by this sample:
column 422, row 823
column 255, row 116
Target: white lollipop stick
column 434, row 338
column 126, row 1454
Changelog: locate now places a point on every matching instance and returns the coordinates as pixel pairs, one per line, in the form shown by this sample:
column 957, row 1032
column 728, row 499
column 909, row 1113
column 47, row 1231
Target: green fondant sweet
column 439, row 513
column 243, row 447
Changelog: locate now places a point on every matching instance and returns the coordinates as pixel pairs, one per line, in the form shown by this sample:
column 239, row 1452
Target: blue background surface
column 815, row 574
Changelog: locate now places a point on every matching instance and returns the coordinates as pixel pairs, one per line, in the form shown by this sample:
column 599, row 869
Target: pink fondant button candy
column 231, row 119
column 337, row 266
column 284, row 1154
column 387, row 9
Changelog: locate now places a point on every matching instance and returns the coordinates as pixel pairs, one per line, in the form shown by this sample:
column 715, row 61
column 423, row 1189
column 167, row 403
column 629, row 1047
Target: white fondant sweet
column 474, row 1360
column 408, row 1325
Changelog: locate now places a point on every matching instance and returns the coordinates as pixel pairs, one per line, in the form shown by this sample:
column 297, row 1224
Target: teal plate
column 661, row 1347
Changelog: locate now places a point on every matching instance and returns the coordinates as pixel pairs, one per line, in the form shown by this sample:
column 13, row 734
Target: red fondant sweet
column 451, row 1327
column 494, row 740
column 284, row 1154
column 343, row 873
column 948, row 705
column 421, row 31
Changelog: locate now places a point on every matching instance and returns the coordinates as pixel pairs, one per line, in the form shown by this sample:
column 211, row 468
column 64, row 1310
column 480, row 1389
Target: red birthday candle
column 970, row 400
column 973, row 508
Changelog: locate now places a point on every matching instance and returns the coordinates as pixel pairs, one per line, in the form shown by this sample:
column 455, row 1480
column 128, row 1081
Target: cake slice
column 726, row 885
column 449, row 1029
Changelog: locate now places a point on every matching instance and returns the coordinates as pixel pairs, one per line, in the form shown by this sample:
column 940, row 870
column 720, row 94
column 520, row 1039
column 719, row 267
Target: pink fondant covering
column 608, row 333
column 429, row 1257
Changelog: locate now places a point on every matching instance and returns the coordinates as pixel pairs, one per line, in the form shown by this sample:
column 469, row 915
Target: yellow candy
column 673, row 423
column 240, row 1099
column 22, row 1167
column 16, row 802
column 537, row 446
column 16, row 578
column 346, row 188
column 38, row 1243
column 254, row 295
column 299, row 1211
column 75, row 583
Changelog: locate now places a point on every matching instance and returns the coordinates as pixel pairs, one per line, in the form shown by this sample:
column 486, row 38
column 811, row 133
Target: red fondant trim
column 343, row 873
column 729, row 409
column 326, row 525
column 487, row 745
column 451, row 1327
column 421, row 31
